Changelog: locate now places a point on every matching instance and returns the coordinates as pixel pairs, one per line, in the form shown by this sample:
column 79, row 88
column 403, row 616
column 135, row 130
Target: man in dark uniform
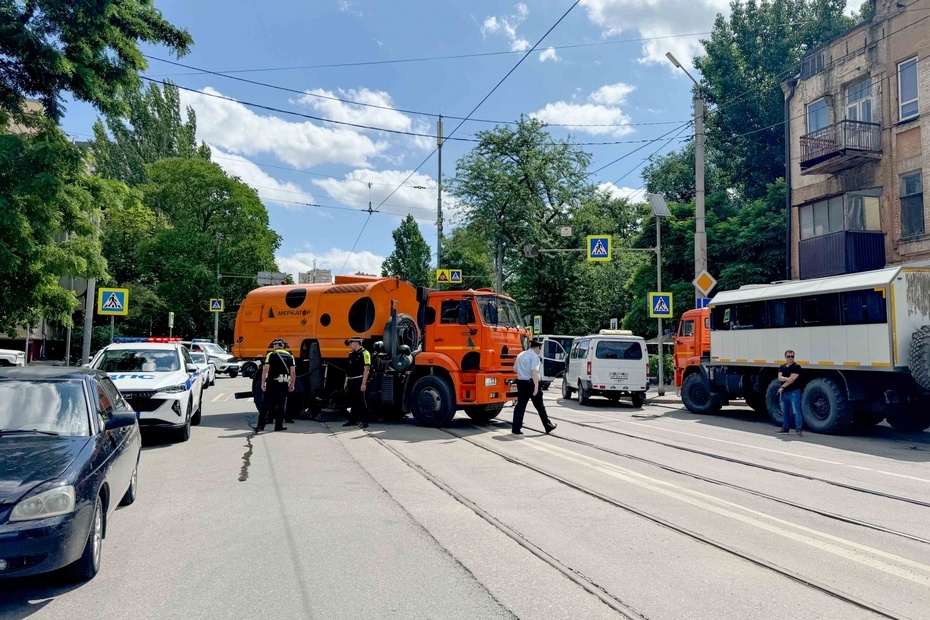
column 279, row 375
column 357, row 383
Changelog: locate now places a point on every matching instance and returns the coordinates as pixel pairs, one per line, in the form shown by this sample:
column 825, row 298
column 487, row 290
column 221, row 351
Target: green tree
column 156, row 130
column 411, row 256
column 466, row 249
column 89, row 48
column 212, row 222
column 49, row 207
column 516, row 185
column 747, row 57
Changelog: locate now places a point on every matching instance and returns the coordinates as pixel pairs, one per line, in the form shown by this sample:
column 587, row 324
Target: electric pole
column 439, row 140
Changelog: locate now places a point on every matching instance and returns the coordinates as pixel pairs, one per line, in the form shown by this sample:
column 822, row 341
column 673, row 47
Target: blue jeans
column 791, row 401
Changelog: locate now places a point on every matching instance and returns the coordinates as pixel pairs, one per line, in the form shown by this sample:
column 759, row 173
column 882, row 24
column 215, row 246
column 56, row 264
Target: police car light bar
column 124, row 339
column 201, row 340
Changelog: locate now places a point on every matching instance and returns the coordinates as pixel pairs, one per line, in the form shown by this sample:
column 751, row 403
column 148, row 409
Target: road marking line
column 806, row 536
column 218, row 396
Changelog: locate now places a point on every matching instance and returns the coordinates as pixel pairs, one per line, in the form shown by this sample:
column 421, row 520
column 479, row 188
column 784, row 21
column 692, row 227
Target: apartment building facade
column 858, row 129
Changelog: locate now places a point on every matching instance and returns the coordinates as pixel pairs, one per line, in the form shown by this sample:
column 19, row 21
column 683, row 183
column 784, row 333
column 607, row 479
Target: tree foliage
column 49, row 207
column 747, row 57
column 465, row 248
column 153, row 128
column 410, row 259
column 88, row 48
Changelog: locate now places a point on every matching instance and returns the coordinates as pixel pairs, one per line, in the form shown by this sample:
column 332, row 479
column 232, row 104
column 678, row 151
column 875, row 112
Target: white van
column 555, row 348
column 612, row 363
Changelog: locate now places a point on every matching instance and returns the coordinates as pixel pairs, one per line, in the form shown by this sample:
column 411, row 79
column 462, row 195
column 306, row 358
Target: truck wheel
column 918, row 357
column 484, row 413
column 825, row 407
column 249, row 369
column 432, row 402
column 756, row 401
column 566, row 391
column 910, row 417
column 583, row 394
column 407, row 332
column 697, row 395
column 773, row 403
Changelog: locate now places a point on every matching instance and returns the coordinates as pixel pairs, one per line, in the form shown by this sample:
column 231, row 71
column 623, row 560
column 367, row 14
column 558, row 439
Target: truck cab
column 692, row 342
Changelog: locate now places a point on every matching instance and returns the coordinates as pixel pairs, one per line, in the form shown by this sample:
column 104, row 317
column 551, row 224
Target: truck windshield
column 500, row 312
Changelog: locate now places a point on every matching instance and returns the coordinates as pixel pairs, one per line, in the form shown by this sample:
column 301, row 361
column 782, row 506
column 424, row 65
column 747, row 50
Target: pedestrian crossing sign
column 217, row 305
column 660, row 305
column 113, row 301
column 455, row 276
column 598, row 248
column 443, row 276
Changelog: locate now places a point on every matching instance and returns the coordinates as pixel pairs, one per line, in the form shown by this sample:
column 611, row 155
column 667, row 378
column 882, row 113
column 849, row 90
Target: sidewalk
column 670, row 397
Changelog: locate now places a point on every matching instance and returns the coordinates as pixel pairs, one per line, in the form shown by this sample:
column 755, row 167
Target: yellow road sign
column 444, row 276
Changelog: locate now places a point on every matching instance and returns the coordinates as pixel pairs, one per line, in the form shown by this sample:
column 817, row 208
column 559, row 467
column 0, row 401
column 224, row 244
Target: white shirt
column 526, row 363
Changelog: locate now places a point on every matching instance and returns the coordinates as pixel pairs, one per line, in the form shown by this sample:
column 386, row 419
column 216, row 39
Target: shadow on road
column 25, row 596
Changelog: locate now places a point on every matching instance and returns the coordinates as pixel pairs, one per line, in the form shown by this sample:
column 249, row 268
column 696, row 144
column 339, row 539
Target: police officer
column 356, row 383
column 279, row 375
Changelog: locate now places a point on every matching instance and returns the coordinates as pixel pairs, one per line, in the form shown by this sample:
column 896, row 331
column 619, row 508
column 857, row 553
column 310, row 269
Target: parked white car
column 12, row 357
column 158, row 379
column 207, row 369
column 612, row 363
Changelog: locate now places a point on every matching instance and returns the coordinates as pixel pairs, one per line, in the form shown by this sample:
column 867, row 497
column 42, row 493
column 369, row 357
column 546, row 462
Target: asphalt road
column 656, row 511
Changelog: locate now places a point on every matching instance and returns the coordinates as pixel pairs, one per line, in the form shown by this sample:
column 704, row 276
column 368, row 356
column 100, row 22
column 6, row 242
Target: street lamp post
column 700, row 235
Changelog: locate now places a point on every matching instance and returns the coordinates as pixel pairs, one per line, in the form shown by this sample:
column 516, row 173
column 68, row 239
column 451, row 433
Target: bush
column 668, row 369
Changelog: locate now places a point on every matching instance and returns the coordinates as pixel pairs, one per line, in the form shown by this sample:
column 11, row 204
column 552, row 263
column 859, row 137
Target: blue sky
column 601, row 74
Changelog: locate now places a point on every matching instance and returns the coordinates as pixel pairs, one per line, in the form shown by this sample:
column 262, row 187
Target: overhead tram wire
column 643, row 162
column 683, row 126
column 354, row 245
column 383, row 107
column 486, row 97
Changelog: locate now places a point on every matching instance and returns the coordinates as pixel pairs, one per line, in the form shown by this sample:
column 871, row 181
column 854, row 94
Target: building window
column 912, row 204
column 907, row 89
column 818, row 115
column 855, row 212
column 859, row 101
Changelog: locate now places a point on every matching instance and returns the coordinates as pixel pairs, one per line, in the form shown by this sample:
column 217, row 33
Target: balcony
column 840, row 146
column 840, row 253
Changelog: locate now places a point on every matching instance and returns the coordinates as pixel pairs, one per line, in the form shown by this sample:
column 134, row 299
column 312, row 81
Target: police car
column 158, row 379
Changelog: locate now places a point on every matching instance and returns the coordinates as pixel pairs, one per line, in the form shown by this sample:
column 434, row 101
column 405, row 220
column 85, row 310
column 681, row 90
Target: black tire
column 233, row 374
column 566, row 391
column 484, row 413
column 910, row 417
column 773, row 403
column 697, row 395
column 195, row 419
column 409, row 333
column 583, row 395
column 87, row 566
column 249, row 369
column 432, row 401
column 184, row 433
column 918, row 357
column 825, row 407
column 130, row 495
column 756, row 401
column 638, row 399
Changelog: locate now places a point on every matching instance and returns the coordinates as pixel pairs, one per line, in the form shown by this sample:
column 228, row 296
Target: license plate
column 618, row 375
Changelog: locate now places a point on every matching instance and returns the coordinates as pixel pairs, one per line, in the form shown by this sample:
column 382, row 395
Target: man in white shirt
column 527, row 367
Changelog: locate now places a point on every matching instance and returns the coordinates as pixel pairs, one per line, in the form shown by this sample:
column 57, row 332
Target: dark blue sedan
column 69, row 454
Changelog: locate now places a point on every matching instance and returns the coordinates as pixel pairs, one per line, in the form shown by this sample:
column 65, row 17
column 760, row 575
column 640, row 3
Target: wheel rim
column 97, row 534
column 820, row 406
column 700, row 395
column 430, row 401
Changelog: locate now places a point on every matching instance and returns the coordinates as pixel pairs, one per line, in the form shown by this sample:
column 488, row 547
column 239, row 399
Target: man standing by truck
column 279, row 375
column 356, row 383
column 527, row 367
column 790, row 391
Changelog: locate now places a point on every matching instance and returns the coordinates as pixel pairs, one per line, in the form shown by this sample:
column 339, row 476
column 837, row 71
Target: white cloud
column 269, row 189
column 549, row 54
column 634, row 195
column 601, row 108
column 333, row 259
column 346, row 6
column 508, row 27
column 236, row 129
column 659, row 18
column 360, row 115
column 421, row 203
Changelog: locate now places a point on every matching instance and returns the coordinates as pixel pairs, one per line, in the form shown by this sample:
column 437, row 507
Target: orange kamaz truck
column 433, row 352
